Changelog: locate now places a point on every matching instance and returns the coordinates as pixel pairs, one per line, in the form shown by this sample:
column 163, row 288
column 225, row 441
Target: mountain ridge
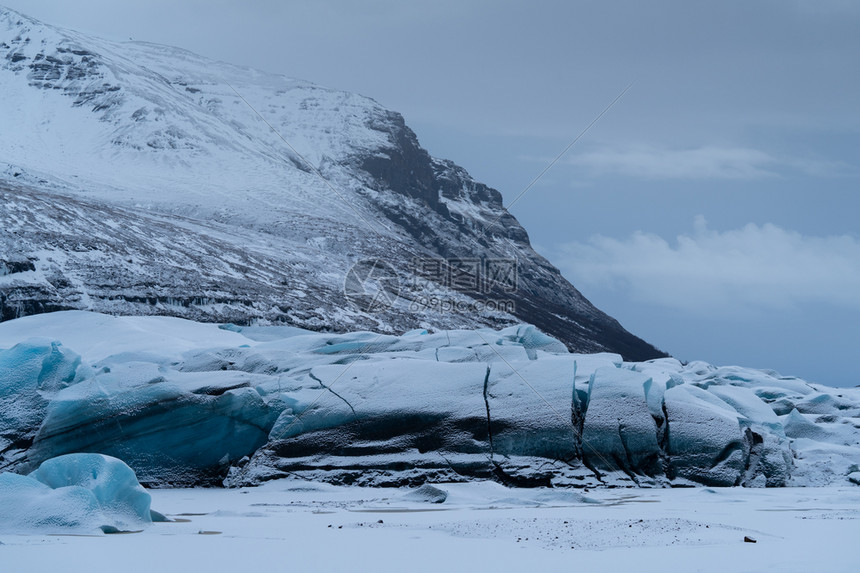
column 279, row 187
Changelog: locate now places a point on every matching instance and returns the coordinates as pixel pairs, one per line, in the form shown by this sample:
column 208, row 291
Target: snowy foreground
column 481, row 526
column 186, row 404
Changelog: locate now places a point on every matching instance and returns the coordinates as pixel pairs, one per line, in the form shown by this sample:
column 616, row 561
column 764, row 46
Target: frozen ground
column 482, row 526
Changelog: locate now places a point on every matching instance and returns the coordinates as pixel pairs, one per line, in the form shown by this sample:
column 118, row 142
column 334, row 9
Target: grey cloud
column 710, row 273
column 698, row 163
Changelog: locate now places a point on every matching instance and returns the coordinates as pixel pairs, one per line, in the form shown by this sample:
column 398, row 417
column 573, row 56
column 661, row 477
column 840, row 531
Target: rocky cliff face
column 142, row 179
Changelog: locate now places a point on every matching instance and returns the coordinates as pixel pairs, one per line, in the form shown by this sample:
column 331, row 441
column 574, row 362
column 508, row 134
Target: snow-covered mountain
column 143, row 179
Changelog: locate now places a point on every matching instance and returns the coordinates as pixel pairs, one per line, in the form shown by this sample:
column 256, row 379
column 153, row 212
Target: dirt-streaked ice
column 188, row 403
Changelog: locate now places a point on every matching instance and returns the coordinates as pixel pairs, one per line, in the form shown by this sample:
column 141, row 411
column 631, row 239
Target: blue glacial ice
column 76, row 492
column 619, row 431
column 176, row 424
column 31, row 373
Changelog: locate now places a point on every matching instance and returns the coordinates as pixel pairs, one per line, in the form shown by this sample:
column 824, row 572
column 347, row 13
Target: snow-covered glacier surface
column 191, row 403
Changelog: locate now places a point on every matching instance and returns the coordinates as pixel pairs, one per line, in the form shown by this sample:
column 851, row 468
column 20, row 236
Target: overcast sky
column 713, row 210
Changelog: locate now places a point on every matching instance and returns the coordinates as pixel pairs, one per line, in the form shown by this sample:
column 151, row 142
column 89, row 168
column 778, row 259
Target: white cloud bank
column 697, row 163
column 709, row 273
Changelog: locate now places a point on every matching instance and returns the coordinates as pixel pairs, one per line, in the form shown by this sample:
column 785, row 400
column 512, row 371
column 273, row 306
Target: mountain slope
column 143, row 179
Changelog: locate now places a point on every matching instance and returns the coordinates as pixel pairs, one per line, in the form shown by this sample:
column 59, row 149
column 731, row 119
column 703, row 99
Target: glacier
column 187, row 403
